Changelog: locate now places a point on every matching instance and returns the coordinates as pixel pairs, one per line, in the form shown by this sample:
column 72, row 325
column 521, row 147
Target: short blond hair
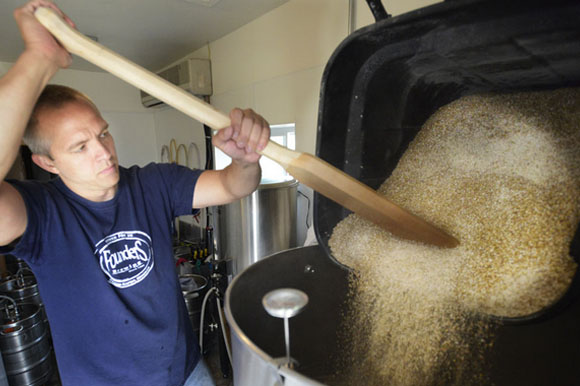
column 53, row 96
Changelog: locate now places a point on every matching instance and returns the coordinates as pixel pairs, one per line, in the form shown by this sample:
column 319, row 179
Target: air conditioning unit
column 192, row 75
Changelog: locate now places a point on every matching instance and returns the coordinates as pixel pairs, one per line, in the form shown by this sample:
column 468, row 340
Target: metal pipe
column 377, row 9
column 351, row 16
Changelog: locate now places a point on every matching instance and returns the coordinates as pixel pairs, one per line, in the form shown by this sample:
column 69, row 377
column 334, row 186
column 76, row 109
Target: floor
column 213, row 362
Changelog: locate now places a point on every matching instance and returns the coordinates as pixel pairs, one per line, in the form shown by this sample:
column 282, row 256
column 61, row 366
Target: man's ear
column 44, row 162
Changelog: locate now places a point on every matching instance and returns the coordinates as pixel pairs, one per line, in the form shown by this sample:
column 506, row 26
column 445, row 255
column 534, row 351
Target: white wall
column 275, row 63
column 4, row 66
column 171, row 124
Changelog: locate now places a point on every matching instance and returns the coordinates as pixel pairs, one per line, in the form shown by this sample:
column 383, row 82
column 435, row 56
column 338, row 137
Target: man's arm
column 19, row 89
column 248, row 133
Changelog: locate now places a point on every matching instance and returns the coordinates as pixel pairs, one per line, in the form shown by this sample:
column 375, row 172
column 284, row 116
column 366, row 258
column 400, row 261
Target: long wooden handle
column 78, row 44
column 307, row 168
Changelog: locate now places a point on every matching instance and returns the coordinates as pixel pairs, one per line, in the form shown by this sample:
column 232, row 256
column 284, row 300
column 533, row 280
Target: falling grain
column 502, row 174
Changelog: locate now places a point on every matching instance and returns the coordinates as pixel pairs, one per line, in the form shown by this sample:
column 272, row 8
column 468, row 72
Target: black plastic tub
column 385, row 80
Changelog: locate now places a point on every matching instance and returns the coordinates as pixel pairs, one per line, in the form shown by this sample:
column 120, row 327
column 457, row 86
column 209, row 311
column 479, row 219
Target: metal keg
column 193, row 288
column 24, row 342
column 23, row 289
column 14, row 264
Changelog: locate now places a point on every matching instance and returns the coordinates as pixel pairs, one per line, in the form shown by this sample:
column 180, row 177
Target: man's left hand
column 248, row 134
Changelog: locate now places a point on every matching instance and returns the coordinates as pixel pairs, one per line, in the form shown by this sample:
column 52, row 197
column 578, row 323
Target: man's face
column 82, row 151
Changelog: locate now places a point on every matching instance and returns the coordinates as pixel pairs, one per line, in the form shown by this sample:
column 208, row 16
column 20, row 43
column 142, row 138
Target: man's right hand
column 37, row 38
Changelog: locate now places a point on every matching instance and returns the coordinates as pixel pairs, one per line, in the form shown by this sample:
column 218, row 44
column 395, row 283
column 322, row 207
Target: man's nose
column 102, row 151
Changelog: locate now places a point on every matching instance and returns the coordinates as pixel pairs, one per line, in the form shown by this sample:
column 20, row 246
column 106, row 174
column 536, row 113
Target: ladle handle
column 287, row 340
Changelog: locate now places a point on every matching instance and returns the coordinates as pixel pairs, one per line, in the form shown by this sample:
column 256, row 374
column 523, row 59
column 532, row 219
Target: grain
column 500, row 172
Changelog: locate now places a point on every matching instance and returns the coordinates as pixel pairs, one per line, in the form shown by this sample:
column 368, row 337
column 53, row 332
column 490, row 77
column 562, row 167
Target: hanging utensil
column 285, row 303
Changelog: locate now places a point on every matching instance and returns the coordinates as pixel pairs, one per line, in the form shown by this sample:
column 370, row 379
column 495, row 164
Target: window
column 284, row 135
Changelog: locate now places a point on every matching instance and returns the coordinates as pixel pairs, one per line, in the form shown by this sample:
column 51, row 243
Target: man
column 98, row 237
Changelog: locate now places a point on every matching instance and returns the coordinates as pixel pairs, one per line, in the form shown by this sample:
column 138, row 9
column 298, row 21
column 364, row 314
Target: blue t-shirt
column 107, row 278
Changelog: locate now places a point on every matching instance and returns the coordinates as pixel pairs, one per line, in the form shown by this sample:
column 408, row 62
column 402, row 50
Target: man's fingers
column 254, row 137
column 236, row 116
column 250, row 131
column 264, row 138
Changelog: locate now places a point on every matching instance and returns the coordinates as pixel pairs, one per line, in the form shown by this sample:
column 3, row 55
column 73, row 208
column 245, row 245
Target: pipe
column 378, row 10
column 222, row 323
column 351, row 16
column 203, row 304
column 226, row 342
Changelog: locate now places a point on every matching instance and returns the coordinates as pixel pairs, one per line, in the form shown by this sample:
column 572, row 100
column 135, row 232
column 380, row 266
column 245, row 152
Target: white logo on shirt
column 125, row 257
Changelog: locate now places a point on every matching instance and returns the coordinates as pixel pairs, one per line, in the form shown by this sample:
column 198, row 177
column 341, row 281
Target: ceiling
column 151, row 33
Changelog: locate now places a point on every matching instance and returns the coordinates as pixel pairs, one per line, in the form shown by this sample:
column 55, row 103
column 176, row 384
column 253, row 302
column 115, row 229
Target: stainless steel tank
column 258, row 225
column 258, row 338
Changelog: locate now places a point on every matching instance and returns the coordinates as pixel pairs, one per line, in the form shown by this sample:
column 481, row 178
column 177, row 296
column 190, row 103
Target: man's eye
column 104, row 134
column 80, row 149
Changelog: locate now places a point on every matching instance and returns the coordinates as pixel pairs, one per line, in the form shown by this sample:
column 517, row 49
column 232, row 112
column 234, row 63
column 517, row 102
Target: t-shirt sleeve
column 28, row 246
column 180, row 182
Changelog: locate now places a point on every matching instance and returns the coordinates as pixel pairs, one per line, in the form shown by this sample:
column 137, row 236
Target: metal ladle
column 285, row 303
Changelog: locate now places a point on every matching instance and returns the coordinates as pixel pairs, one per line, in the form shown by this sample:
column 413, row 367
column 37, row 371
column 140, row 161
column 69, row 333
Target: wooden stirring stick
column 306, row 168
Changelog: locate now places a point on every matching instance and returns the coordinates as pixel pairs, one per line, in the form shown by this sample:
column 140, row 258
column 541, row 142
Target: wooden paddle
column 306, row 168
